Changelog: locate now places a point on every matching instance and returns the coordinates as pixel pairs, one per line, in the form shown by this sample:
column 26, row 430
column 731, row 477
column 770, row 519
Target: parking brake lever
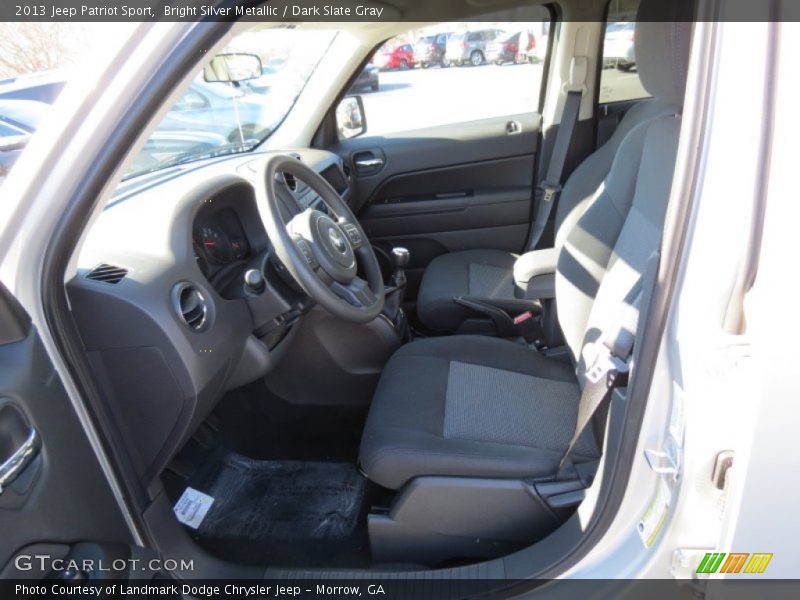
column 524, row 325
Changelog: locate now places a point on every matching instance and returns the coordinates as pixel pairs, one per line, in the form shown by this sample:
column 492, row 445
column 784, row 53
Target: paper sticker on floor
column 192, row 507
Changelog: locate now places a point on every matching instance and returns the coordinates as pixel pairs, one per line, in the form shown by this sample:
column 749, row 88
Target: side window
column 619, row 80
column 460, row 72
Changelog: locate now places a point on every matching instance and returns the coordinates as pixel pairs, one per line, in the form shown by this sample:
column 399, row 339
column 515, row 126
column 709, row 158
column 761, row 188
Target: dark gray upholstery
column 663, row 32
column 485, row 407
column 412, row 427
column 458, row 274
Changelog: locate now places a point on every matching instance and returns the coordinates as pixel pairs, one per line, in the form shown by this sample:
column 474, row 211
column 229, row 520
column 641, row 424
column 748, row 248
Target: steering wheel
column 322, row 254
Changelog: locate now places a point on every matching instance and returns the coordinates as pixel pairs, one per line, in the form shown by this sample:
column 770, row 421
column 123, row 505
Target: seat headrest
column 663, row 36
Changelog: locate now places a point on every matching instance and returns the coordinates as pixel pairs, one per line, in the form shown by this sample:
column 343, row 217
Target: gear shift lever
column 400, row 258
column 396, row 290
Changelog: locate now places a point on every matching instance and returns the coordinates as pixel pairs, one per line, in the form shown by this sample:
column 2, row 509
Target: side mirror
column 229, row 68
column 350, row 121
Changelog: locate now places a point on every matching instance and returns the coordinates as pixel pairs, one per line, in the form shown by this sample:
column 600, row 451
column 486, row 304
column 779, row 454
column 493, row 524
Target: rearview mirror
column 232, row 68
column 350, row 120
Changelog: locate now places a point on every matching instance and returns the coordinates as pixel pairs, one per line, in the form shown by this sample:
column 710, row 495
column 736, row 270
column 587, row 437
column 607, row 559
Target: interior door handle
column 14, row 465
column 369, row 163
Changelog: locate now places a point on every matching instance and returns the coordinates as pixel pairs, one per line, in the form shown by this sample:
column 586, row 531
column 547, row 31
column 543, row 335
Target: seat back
column 605, row 253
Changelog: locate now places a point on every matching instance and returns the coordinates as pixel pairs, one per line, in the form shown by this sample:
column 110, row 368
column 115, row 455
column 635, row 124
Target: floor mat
column 280, row 500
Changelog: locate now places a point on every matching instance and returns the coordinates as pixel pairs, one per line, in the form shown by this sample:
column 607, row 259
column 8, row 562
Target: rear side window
column 619, row 79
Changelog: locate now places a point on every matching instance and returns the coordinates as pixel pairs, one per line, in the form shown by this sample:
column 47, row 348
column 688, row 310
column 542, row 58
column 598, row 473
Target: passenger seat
column 511, row 281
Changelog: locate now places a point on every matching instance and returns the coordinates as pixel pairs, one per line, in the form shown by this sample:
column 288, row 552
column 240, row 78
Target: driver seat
column 479, row 407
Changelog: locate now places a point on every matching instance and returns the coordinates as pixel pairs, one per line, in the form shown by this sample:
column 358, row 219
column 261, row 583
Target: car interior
column 362, row 350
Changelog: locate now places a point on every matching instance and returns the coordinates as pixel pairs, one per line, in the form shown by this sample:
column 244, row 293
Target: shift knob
column 400, row 257
column 254, row 281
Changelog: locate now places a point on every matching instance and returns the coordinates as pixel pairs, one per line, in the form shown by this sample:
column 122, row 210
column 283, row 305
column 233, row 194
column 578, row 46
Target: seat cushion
column 471, row 406
column 487, row 274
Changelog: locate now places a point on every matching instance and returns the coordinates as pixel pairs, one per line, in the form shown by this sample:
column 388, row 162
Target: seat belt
column 610, row 368
column 551, row 186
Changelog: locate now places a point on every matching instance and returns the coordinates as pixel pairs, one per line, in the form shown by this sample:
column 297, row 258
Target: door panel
column 446, row 188
column 59, row 495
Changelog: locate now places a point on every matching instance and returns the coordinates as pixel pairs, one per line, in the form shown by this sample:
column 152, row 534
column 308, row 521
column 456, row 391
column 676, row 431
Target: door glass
column 455, row 73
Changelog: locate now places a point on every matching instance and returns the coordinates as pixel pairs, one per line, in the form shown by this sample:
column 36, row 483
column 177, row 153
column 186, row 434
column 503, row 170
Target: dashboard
column 176, row 326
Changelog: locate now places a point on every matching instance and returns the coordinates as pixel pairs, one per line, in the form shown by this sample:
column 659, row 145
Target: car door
column 447, row 161
column 55, row 501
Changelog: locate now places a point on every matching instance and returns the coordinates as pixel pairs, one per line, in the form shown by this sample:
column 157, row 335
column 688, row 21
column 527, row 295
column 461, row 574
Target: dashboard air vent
column 107, row 274
column 192, row 306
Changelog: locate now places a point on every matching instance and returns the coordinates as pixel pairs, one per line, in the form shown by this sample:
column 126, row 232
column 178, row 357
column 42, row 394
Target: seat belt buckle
column 607, row 366
column 528, row 326
column 551, row 190
column 521, row 318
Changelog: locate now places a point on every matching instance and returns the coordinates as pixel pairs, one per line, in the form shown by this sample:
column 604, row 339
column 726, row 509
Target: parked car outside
column 18, row 121
column 400, row 57
column 618, row 50
column 368, row 79
column 164, row 145
column 263, row 84
column 42, row 87
column 504, row 49
column 430, row 50
column 470, row 47
column 11, row 146
column 221, row 106
column 201, row 102
column 236, row 115
column 22, row 115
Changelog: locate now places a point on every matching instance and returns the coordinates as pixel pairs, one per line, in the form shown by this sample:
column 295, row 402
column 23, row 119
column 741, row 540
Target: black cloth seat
column 471, row 406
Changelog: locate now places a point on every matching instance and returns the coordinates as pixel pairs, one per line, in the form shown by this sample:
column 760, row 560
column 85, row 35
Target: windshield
column 212, row 119
column 26, row 113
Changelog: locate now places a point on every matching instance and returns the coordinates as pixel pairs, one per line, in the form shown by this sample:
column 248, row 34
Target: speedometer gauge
column 216, row 244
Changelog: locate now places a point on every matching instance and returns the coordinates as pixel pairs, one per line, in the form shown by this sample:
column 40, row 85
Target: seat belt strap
column 608, row 371
column 551, row 186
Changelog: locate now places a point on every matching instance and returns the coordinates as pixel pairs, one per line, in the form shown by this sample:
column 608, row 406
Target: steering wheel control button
column 254, row 281
column 307, row 252
column 352, row 233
